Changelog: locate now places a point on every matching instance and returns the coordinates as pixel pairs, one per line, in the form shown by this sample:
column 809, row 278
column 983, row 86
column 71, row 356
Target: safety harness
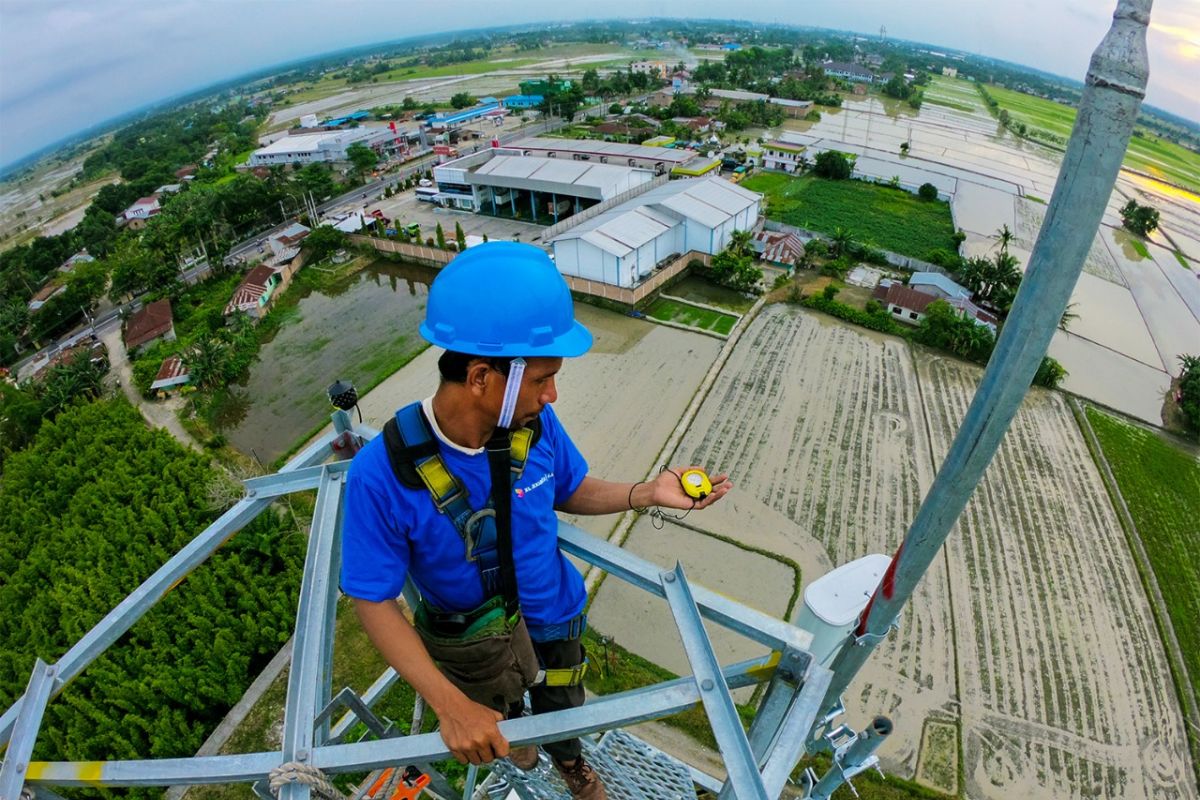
column 417, row 463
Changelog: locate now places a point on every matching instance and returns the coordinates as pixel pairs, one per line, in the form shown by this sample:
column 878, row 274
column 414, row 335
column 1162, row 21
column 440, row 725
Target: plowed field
column 832, row 436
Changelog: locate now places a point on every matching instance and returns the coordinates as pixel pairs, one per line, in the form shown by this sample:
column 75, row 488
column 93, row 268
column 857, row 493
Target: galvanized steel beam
column 309, row 678
column 611, row 711
column 16, row 759
column 755, row 625
column 740, row 763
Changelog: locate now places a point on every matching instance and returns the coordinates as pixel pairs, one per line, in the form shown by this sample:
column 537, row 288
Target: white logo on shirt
column 521, row 491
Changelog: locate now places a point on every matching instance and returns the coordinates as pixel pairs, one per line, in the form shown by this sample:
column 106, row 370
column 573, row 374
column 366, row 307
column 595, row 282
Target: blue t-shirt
column 392, row 532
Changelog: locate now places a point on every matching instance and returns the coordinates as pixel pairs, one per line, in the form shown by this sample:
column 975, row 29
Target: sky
column 66, row 65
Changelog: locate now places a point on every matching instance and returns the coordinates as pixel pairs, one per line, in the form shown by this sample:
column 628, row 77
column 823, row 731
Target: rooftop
column 594, row 147
column 549, row 174
column 148, row 323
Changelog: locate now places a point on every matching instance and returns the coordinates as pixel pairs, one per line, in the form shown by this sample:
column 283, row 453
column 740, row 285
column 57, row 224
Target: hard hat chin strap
column 516, row 372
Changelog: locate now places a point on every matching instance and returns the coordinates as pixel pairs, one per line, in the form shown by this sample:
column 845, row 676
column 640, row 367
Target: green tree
column 322, row 242
column 739, row 243
column 927, row 191
column 833, row 165
column 441, row 236
column 462, row 100
column 362, row 158
column 841, row 242
column 1139, row 219
column 460, row 236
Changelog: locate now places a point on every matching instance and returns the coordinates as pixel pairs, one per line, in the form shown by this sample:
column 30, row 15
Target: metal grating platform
column 630, row 769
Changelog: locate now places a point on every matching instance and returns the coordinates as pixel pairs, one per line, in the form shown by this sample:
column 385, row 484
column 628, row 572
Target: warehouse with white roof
column 623, row 245
column 309, row 148
column 542, row 189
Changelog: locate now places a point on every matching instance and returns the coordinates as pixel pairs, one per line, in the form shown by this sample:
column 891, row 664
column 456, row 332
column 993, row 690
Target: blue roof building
column 465, row 116
column 523, row 101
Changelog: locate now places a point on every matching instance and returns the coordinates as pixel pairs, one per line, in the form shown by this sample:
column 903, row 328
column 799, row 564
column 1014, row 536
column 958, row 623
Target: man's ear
column 478, row 374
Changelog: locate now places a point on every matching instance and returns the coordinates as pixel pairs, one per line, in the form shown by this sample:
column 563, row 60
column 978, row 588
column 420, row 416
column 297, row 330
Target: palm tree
column 1068, row 316
column 1005, row 236
column 842, row 240
column 739, row 243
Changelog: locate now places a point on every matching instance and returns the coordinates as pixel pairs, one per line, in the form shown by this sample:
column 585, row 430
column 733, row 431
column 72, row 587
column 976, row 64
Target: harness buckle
column 469, row 527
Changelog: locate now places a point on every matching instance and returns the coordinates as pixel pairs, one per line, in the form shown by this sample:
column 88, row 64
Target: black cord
column 658, row 517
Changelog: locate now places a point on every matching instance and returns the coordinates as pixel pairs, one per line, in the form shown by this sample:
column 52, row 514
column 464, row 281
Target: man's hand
column 470, row 731
column 667, row 491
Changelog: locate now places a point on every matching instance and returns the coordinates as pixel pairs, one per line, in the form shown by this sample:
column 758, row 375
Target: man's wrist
column 641, row 495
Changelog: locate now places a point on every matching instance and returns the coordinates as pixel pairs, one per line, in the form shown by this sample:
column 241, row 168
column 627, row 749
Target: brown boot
column 582, row 780
column 524, row 756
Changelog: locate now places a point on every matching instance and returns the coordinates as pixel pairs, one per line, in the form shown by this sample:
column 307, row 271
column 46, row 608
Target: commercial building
column 658, row 159
column 849, row 72
column 445, row 122
column 502, row 183
column 523, row 101
column 623, row 245
column 325, row 146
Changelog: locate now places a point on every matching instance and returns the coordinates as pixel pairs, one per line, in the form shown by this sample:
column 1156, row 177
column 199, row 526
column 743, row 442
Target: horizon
column 1174, row 38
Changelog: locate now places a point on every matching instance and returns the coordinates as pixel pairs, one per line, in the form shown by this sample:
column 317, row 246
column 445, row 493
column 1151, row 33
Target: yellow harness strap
column 567, row 676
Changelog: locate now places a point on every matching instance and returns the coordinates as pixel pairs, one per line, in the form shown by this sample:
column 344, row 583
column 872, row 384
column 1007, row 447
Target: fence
column 633, row 296
column 429, row 256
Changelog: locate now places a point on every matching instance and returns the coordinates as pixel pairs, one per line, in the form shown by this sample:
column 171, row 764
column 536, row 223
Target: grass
column 1147, row 153
column 887, row 218
column 938, row 764
column 692, row 316
column 1160, row 483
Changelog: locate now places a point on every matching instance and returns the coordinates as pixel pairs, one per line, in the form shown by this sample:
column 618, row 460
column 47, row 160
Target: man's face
column 537, row 389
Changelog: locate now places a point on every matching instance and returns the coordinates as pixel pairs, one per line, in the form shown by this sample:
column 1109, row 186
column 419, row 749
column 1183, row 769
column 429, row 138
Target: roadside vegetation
column 879, row 215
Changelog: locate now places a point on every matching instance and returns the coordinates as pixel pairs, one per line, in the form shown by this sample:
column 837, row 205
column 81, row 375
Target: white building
column 309, row 148
column 783, row 156
column 623, row 245
column 547, row 188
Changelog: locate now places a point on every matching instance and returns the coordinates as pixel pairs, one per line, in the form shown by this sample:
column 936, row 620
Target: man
column 506, row 320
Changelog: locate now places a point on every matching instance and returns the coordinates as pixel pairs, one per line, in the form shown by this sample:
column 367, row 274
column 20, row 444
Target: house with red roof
column 908, row 304
column 149, row 324
column 173, row 374
column 253, row 295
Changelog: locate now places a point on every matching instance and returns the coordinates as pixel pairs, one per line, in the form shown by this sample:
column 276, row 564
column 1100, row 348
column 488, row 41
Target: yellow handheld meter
column 696, row 484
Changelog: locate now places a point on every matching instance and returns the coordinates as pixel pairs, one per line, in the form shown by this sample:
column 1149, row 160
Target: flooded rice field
column 1132, row 304
column 360, row 331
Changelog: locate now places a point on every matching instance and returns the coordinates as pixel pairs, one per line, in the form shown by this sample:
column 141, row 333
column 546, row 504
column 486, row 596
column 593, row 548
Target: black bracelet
column 632, row 507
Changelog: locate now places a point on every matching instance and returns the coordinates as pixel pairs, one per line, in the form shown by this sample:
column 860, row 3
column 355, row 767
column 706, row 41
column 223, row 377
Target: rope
column 295, row 772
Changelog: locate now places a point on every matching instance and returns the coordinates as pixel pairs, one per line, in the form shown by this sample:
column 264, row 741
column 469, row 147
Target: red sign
column 442, row 149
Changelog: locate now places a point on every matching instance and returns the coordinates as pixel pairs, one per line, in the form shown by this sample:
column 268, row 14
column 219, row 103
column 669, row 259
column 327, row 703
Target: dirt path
column 158, row 414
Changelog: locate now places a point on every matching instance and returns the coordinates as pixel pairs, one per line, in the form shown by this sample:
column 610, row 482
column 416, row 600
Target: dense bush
column 832, row 165
column 927, row 191
column 93, row 507
column 1189, row 391
column 878, row 320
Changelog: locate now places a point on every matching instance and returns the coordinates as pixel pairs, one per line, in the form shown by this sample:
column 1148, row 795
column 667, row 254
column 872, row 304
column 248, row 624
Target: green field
column 1160, row 483
column 692, row 316
column 1147, row 153
column 891, row 219
column 955, row 94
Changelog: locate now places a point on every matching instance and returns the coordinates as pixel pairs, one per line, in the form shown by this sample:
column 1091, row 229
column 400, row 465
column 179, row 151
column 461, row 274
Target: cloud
column 70, row 64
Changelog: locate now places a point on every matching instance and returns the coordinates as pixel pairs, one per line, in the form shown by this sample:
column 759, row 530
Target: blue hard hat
column 503, row 299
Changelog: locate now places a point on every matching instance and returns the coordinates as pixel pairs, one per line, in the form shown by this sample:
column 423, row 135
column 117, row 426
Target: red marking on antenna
column 887, row 587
